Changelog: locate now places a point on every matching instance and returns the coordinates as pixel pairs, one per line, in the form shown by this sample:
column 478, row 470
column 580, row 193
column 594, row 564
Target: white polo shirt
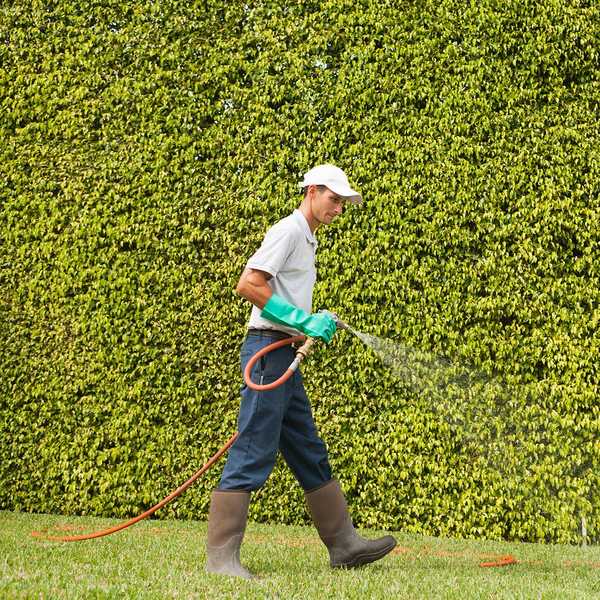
column 288, row 255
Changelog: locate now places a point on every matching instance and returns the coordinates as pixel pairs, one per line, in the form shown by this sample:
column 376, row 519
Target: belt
column 273, row 334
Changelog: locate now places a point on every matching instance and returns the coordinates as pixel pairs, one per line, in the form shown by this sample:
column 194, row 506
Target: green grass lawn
column 165, row 559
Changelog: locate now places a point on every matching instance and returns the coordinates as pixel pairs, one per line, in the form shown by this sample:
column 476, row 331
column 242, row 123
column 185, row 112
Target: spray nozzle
column 338, row 322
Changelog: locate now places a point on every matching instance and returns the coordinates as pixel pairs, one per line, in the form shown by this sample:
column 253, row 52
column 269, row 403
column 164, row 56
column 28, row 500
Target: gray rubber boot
column 346, row 548
column 226, row 525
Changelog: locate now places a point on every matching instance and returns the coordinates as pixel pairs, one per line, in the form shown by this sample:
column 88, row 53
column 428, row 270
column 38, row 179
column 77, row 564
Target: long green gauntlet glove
column 316, row 325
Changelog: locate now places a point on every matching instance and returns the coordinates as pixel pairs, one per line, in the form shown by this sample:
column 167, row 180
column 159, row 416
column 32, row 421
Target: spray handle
column 338, row 322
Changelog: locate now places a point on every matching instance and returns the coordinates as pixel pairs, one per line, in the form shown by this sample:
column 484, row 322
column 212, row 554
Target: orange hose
column 288, row 373
column 501, row 561
column 150, row 511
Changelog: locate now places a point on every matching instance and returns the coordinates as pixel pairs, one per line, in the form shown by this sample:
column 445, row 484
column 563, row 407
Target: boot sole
column 365, row 559
column 241, row 574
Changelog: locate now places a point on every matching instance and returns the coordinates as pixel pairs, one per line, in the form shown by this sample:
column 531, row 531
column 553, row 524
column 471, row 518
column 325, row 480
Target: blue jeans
column 272, row 421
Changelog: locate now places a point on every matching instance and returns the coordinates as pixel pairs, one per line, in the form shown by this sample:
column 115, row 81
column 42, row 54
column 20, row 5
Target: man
column 278, row 280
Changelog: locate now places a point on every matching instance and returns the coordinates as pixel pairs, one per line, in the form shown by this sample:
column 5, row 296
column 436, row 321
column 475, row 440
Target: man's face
column 327, row 205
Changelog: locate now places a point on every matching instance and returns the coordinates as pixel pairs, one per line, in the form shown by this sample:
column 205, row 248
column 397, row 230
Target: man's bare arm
column 254, row 287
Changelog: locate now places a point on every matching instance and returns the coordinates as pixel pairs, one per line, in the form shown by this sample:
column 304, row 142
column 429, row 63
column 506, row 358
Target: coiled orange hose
column 288, row 373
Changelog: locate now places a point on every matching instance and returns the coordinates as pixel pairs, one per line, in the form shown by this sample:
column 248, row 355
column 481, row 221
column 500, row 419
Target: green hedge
column 146, row 147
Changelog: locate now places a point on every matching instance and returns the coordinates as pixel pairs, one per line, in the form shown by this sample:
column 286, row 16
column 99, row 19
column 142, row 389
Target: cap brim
column 356, row 199
column 345, row 192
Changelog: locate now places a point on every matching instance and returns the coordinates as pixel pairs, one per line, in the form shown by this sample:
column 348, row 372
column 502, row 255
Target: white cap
column 334, row 178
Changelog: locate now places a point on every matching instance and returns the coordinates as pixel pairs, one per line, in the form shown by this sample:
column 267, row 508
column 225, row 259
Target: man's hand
column 318, row 325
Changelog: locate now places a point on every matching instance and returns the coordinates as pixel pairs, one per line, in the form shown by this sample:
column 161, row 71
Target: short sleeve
column 274, row 250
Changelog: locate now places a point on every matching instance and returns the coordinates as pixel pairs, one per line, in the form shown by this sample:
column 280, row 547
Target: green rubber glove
column 316, row 325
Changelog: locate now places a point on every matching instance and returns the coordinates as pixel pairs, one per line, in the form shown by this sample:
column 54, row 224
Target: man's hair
column 321, row 189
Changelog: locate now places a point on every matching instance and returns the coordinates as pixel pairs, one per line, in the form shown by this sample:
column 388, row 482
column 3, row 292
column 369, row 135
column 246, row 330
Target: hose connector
column 303, row 352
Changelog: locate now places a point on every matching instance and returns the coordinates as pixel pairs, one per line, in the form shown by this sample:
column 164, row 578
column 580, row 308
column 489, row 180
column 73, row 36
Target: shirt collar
column 301, row 219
